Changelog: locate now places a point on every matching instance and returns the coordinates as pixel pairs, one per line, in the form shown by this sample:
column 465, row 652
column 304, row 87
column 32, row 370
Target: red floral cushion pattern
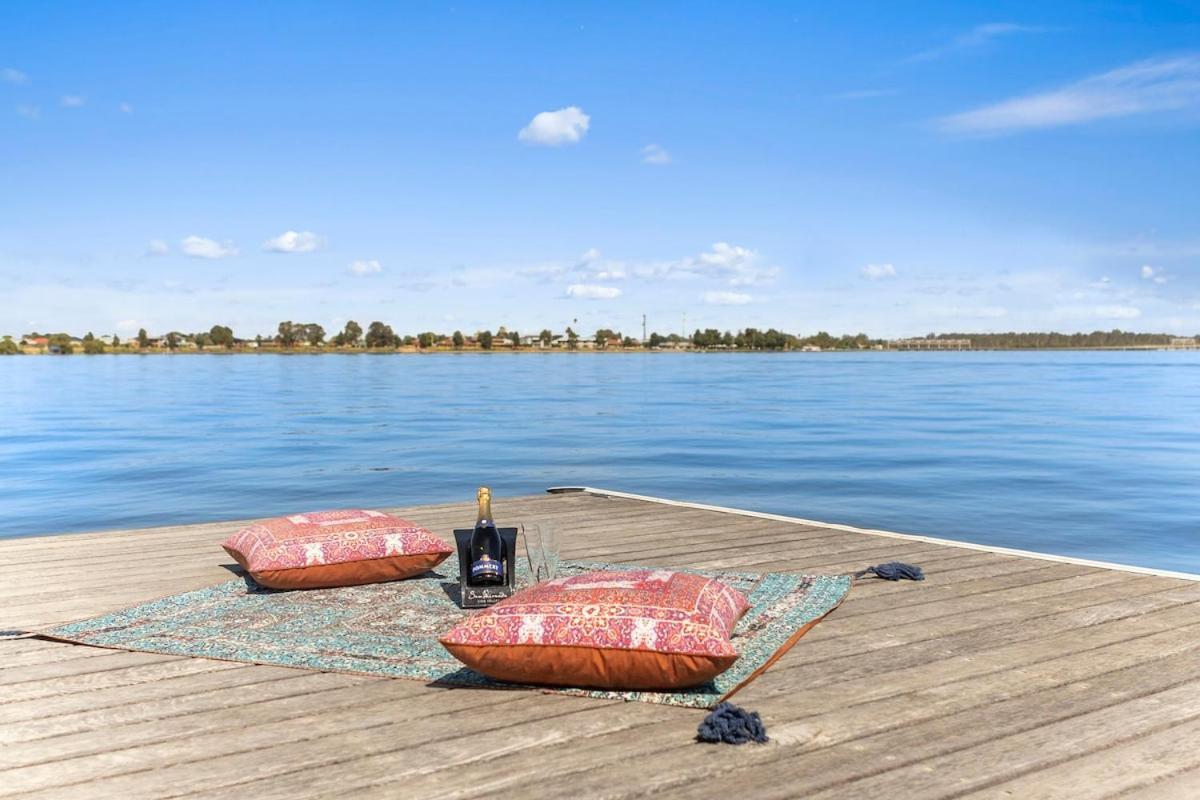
column 629, row 629
column 306, row 550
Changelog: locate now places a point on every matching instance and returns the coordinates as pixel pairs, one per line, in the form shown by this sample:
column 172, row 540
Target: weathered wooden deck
column 999, row 676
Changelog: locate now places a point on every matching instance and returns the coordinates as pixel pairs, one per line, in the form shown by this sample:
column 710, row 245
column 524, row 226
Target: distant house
column 1186, row 343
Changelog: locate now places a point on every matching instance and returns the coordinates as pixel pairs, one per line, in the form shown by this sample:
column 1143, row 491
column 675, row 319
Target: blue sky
column 882, row 167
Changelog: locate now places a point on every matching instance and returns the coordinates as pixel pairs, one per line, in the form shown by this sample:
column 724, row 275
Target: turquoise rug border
column 824, row 593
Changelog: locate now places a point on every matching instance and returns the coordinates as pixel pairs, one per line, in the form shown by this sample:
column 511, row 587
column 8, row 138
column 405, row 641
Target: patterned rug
column 392, row 628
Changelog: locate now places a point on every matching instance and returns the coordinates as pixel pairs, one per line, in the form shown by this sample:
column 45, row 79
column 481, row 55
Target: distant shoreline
column 598, row 352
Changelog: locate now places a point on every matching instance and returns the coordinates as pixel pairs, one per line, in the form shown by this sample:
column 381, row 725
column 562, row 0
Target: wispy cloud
column 157, row 247
column 73, row 101
column 13, row 76
column 1155, row 274
column 733, row 265
column 294, row 242
column 586, row 291
column 29, row 112
column 590, row 266
column 736, row 265
column 125, row 108
column 1153, row 85
column 876, row 272
column 552, row 128
column 200, row 247
column 364, row 267
column 727, row 298
column 655, row 154
column 593, row 266
column 974, row 39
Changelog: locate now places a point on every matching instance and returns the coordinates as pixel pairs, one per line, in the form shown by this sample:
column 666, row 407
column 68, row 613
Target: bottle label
column 486, row 566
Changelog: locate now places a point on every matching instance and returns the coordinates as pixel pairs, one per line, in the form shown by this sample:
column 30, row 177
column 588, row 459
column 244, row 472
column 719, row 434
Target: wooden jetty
column 1003, row 675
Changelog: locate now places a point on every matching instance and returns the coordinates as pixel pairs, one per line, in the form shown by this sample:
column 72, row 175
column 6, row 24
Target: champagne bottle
column 487, row 549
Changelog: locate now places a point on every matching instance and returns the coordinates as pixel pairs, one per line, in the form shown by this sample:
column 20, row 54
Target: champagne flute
column 541, row 549
column 550, row 546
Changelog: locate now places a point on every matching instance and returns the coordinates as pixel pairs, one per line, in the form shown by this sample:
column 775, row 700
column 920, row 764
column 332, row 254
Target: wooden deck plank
column 959, row 684
column 274, row 750
column 165, row 690
column 374, row 762
column 251, row 685
column 1183, row 785
column 1125, row 767
column 924, row 700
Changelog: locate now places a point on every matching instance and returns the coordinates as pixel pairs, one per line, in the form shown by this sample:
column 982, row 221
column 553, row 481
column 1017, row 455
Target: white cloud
column 1155, row 274
column 727, row 298
column 875, row 272
column 1162, row 84
column 29, row 112
column 125, row 108
column 736, row 265
column 975, row 38
column 655, row 154
column 73, row 101
column 593, row 267
column 157, row 247
column 294, row 242
column 1103, row 283
column 365, row 267
column 586, row 291
column 552, row 128
column 14, row 76
column 129, row 325
column 199, row 247
column 590, row 266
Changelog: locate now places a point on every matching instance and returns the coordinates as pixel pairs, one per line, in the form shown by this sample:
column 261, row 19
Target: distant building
column 1186, row 343
column 930, row 344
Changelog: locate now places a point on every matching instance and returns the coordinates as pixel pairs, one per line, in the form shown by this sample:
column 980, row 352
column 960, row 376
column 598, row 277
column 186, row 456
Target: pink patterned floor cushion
column 635, row 630
column 334, row 548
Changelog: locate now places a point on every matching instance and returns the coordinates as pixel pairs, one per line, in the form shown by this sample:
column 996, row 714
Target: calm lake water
column 1087, row 454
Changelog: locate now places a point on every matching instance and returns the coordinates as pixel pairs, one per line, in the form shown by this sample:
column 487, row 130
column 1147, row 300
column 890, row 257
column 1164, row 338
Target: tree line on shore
column 380, row 336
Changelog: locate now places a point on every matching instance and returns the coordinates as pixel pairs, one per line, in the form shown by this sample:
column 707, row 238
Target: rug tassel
column 893, row 571
column 733, row 725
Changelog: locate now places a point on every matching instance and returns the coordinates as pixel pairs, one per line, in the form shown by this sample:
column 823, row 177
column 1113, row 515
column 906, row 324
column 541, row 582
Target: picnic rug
column 391, row 629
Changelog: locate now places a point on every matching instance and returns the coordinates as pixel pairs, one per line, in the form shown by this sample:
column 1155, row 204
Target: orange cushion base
column 589, row 666
column 351, row 573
